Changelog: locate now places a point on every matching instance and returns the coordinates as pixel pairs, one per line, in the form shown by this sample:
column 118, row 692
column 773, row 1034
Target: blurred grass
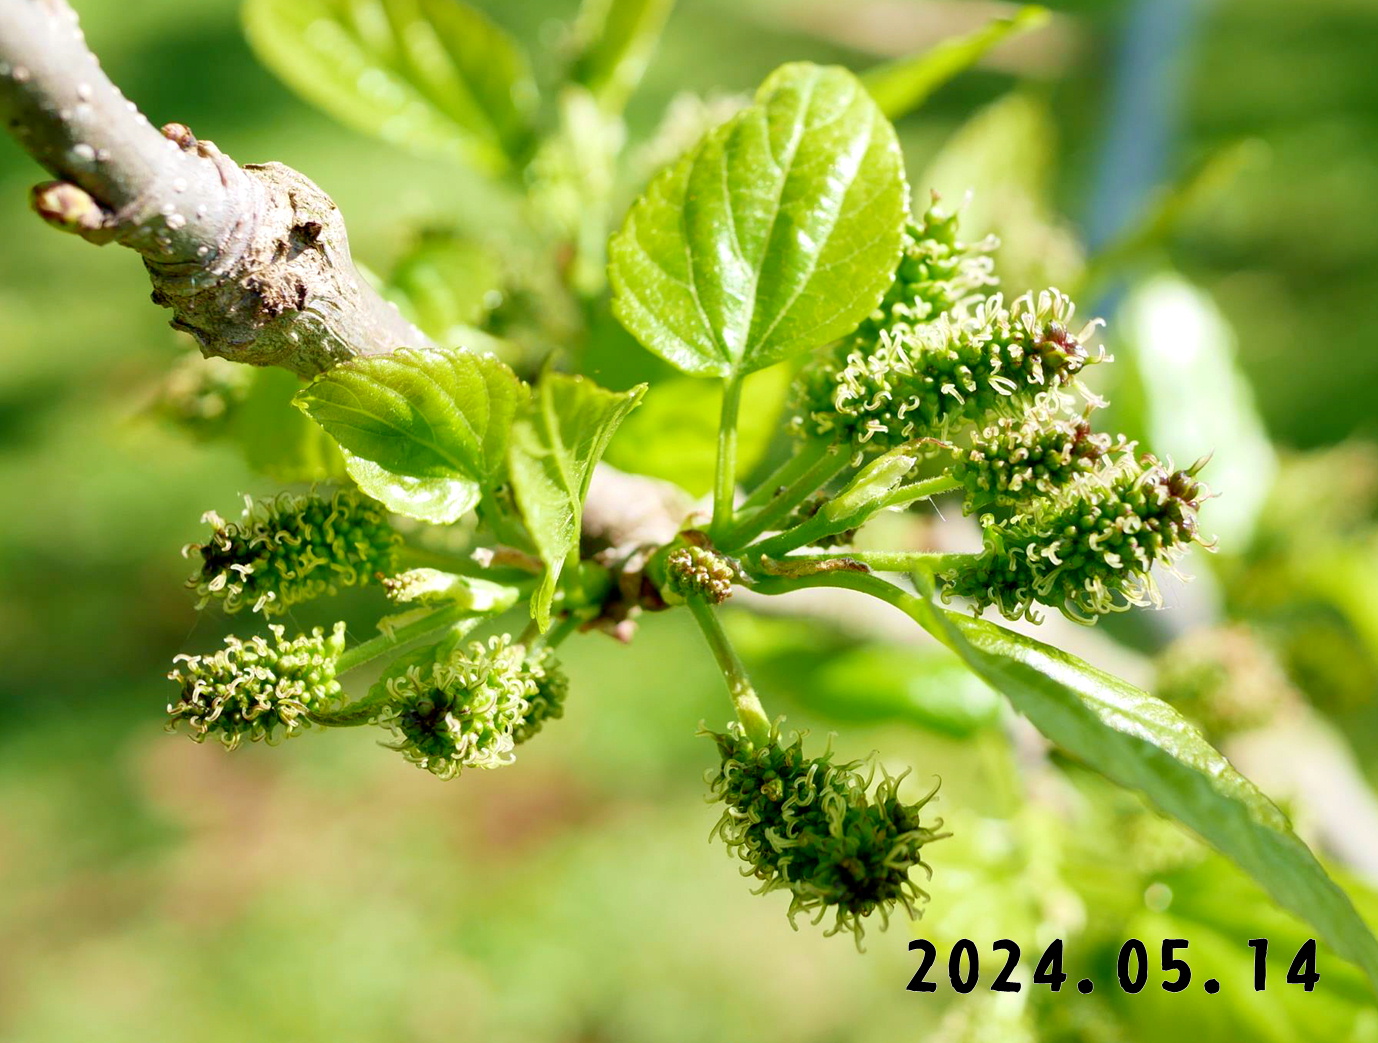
column 155, row 890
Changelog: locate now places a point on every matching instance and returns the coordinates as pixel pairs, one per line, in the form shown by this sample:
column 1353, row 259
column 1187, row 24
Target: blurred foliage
column 156, row 890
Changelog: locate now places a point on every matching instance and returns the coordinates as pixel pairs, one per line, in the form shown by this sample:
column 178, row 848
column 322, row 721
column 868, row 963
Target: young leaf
column 432, row 75
column 556, row 443
column 433, row 425
column 439, row 501
column 779, row 233
column 617, row 39
column 901, row 86
column 1144, row 745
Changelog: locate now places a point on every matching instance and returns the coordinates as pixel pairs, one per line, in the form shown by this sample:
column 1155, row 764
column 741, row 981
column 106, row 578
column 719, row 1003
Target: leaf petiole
column 824, row 524
column 832, row 463
column 783, row 476
column 725, row 479
column 878, row 561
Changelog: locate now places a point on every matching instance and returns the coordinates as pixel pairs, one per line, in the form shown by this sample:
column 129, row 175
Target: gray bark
column 253, row 261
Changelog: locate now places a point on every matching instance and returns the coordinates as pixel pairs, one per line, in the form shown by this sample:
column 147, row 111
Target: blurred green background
column 155, row 890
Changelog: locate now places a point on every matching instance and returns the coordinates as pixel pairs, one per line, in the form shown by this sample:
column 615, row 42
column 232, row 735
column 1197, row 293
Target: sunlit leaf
column 1144, row 745
column 780, row 232
column 432, row 75
column 436, row 500
column 556, row 443
column 433, row 424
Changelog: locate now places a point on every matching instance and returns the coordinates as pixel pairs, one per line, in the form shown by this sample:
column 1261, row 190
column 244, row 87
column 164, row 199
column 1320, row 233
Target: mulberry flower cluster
column 819, row 830
column 547, row 702
column 292, row 549
column 260, row 689
column 698, row 572
column 922, row 381
column 470, row 708
column 1015, row 461
column 1090, row 548
column 937, row 274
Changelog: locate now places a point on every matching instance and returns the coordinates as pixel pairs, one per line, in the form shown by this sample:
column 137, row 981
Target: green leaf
column 439, row 501
column 444, row 414
column 779, row 233
column 902, row 86
column 674, row 435
column 1144, row 745
column 616, row 41
column 556, row 443
column 435, row 76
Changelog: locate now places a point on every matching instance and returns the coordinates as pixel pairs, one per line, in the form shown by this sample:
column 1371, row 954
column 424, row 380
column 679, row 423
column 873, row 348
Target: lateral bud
column 70, row 209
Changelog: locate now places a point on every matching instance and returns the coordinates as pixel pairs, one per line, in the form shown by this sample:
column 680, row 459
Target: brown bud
column 180, row 133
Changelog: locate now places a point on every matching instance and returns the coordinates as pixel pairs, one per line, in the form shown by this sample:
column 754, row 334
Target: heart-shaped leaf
column 779, row 233
column 556, row 443
column 425, row 431
column 432, row 75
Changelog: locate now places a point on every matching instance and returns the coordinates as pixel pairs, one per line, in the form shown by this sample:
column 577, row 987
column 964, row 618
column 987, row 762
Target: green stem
column 808, row 455
column 907, row 494
column 919, row 609
column 833, row 462
column 744, row 699
column 366, row 651
column 811, row 530
column 352, row 715
column 889, row 561
column 725, row 486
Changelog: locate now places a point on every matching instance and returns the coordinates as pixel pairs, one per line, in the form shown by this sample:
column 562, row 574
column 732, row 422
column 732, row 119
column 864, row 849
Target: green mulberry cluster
column 1089, row 549
column 1014, row 461
column 921, row 381
column 292, row 549
column 260, row 689
column 809, row 826
column 547, row 702
column 937, row 274
column 698, row 572
column 471, row 707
